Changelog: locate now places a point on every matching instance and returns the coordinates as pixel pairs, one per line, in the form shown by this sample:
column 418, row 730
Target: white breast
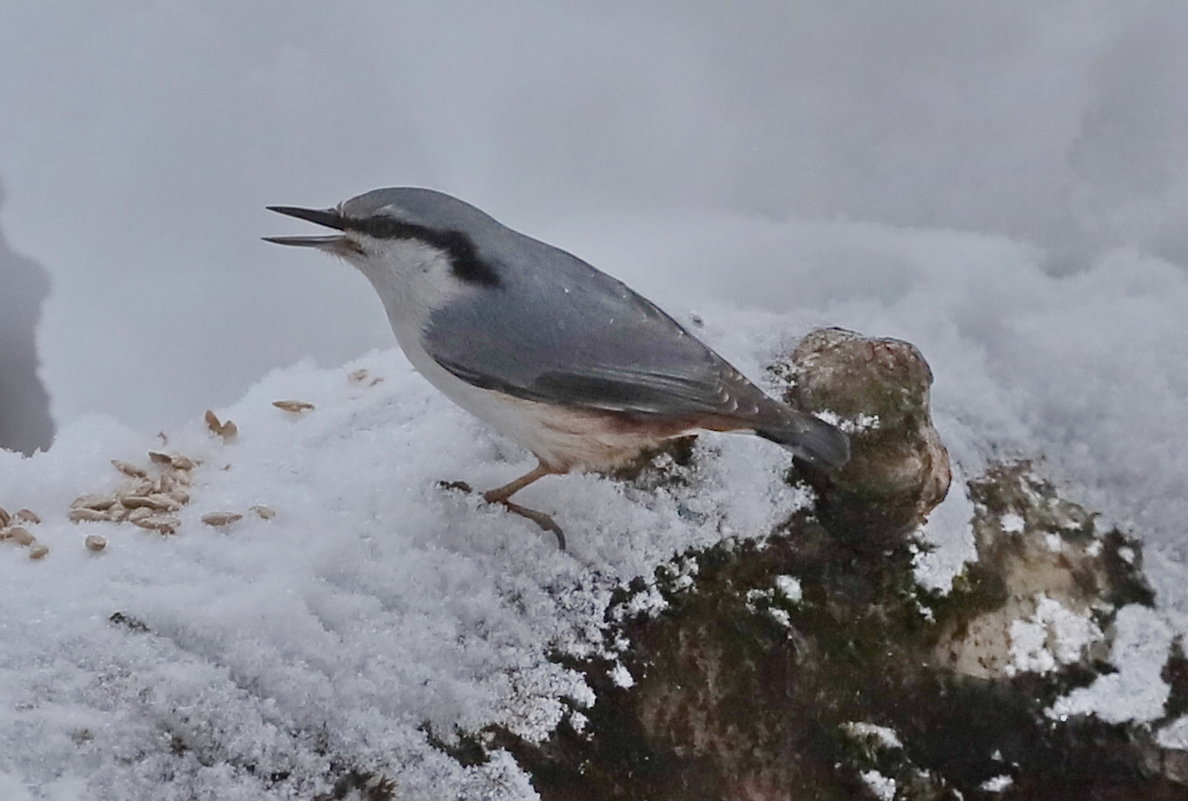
column 564, row 439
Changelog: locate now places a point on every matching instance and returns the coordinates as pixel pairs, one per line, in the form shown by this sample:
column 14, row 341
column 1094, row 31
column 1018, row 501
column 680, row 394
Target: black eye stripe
column 465, row 262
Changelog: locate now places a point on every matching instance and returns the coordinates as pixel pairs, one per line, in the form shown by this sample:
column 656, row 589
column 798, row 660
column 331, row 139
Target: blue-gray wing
column 580, row 338
column 586, row 340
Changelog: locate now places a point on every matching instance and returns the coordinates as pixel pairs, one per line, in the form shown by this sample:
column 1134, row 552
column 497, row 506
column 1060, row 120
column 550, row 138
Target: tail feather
column 820, row 444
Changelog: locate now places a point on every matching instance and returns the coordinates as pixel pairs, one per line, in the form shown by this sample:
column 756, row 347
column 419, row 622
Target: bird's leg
column 501, row 495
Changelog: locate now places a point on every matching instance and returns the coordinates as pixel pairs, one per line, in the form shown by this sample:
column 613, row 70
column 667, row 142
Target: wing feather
column 585, row 341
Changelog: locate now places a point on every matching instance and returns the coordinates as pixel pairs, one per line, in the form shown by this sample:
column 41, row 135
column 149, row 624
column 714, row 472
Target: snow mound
column 373, row 613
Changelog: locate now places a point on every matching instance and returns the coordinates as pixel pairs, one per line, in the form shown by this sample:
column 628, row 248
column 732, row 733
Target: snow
column 949, row 538
column 1137, row 691
column 374, row 606
column 1053, row 636
column 997, row 784
column 1174, row 735
column 621, row 677
column 884, row 736
column 882, row 786
column 789, row 587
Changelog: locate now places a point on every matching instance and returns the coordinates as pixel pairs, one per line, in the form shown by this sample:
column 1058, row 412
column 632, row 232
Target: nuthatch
column 555, row 355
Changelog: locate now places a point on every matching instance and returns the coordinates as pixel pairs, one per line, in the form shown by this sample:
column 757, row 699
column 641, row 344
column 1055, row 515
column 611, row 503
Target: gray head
column 402, row 225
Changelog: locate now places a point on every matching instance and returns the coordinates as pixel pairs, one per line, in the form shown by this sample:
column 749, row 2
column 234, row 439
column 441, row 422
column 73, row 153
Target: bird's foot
column 546, row 522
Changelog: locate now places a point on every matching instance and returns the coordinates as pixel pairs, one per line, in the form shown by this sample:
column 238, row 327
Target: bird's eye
column 382, row 226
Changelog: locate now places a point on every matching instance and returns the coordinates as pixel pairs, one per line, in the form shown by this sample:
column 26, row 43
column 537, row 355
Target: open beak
column 327, row 217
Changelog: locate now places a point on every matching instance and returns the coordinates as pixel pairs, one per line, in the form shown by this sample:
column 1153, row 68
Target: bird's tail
column 820, row 444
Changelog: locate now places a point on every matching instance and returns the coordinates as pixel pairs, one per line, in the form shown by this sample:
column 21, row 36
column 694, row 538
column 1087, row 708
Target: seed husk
column 38, row 551
column 5, row 517
column 26, row 516
column 264, row 511
column 95, row 543
column 295, row 406
column 227, row 430
column 220, row 519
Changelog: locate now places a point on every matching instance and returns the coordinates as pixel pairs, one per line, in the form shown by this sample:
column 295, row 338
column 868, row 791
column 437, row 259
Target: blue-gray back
column 555, row 329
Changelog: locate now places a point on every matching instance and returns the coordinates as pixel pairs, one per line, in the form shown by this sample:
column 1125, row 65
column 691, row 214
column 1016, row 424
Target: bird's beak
column 327, row 217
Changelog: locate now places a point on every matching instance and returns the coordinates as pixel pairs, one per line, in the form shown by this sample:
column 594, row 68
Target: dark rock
column 812, row 665
column 25, row 422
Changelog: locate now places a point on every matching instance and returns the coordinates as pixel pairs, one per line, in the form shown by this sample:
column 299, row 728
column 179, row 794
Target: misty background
column 139, row 144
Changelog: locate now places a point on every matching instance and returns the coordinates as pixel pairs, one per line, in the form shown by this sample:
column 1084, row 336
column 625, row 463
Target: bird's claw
column 541, row 519
column 546, row 522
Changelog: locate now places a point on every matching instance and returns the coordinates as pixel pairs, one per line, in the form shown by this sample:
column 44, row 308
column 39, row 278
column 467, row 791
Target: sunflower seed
column 96, row 502
column 85, row 515
column 38, row 551
column 295, row 406
column 129, row 469
column 21, row 535
column 162, row 523
column 95, row 543
column 26, row 516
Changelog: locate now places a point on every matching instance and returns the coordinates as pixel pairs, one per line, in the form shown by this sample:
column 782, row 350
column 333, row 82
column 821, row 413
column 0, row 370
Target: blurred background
column 139, row 144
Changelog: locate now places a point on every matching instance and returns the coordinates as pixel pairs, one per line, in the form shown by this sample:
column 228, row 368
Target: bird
column 557, row 356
